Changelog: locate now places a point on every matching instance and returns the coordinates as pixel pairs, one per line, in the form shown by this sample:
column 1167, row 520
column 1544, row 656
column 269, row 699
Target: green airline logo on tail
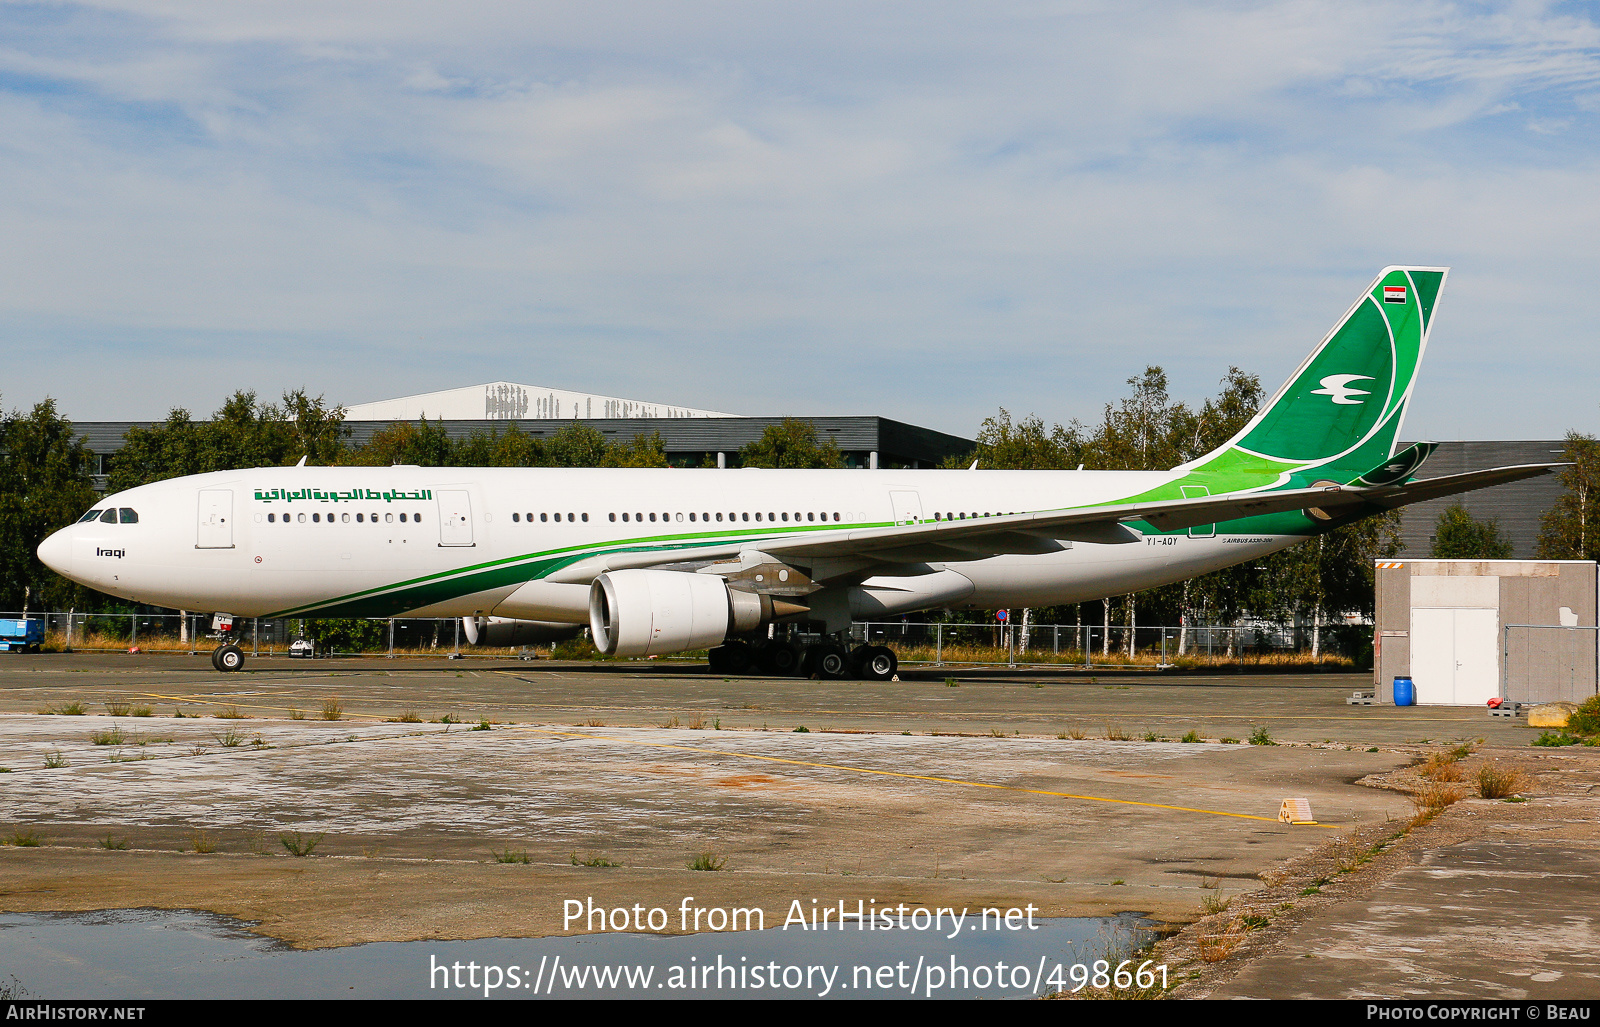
column 1340, row 413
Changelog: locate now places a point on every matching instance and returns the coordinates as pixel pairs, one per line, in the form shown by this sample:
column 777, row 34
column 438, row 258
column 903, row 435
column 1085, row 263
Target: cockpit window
column 109, row 517
column 128, row 515
column 92, row 515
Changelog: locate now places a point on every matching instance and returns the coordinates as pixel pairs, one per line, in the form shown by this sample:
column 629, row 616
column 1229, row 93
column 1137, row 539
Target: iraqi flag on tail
column 1394, row 294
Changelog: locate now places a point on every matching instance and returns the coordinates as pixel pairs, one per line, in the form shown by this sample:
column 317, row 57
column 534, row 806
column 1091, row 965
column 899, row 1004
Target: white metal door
column 1477, row 656
column 1433, row 656
column 215, row 520
column 1455, row 656
column 907, row 507
column 455, row 517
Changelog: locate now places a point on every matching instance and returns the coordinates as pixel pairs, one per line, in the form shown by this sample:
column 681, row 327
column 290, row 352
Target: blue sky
column 925, row 211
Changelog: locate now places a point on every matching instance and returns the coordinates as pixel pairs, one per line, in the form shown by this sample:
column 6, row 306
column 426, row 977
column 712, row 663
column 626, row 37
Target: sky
column 926, row 211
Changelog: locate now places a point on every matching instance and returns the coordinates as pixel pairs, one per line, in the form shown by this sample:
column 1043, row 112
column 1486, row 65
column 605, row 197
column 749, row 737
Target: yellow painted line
column 913, row 777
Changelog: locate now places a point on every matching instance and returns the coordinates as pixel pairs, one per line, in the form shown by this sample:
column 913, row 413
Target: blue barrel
column 1405, row 693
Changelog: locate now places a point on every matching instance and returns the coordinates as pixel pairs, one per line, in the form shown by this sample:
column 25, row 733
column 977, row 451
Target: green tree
column 576, row 445
column 44, row 485
column 643, row 451
column 791, row 444
column 422, row 444
column 1458, row 536
column 1571, row 530
column 1024, row 445
column 243, row 433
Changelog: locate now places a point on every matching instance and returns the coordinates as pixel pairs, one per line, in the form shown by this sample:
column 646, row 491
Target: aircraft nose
column 55, row 552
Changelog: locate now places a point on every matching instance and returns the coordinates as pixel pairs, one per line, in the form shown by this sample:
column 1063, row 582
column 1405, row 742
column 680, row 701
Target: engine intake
column 650, row 613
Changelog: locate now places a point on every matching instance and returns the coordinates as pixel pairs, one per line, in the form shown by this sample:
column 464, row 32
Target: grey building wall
column 1539, row 659
column 1517, row 506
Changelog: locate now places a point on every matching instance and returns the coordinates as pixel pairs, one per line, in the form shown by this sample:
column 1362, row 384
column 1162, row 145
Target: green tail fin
column 1341, row 411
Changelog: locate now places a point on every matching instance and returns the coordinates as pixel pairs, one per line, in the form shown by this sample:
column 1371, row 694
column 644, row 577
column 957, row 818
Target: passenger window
column 586, row 518
column 545, row 518
column 302, row 518
column 402, row 518
column 317, row 518
column 109, row 517
column 836, row 515
column 388, row 518
column 652, row 517
column 271, row 518
column 614, row 516
column 680, row 518
column 515, row 518
column 570, row 518
column 345, row 518
column 691, row 515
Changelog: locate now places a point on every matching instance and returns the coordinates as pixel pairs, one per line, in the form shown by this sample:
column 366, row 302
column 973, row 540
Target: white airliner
column 662, row 561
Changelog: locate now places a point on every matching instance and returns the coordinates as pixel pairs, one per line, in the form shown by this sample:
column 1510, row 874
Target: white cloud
column 922, row 212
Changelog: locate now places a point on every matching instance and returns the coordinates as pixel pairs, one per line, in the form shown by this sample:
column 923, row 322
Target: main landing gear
column 785, row 658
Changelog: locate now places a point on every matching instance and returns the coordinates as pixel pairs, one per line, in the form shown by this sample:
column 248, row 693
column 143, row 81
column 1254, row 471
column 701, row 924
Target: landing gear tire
column 878, row 662
column 227, row 658
column 782, row 659
column 731, row 658
column 829, row 661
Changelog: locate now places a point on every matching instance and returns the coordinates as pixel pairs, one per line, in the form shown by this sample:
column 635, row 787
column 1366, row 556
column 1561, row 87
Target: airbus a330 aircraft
column 662, row 561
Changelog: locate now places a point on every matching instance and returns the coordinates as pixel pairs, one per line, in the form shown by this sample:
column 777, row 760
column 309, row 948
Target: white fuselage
column 327, row 540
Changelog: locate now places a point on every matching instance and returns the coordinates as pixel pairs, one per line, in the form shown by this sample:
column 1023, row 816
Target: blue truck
column 21, row 636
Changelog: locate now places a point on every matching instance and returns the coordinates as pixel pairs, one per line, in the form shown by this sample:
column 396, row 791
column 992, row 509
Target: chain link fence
column 914, row 642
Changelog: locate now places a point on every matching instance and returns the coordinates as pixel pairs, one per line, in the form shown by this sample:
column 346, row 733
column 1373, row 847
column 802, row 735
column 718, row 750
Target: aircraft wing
column 1046, row 531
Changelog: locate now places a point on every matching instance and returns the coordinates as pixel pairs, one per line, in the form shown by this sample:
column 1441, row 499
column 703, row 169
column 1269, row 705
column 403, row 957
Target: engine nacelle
column 505, row 631
column 647, row 613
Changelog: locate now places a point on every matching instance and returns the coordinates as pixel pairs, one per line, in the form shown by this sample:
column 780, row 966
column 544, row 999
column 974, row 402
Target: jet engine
column 648, row 613
column 505, row 631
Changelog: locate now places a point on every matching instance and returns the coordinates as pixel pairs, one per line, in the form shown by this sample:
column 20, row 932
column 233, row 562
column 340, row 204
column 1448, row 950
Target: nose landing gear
column 227, row 657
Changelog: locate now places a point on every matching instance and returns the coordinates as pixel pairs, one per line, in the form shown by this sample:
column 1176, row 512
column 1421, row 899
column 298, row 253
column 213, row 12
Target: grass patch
column 1214, row 948
column 1259, row 736
column 24, row 838
column 332, row 709
column 697, row 723
column 117, row 709
column 593, row 722
column 295, row 713
column 1431, row 799
column 409, row 717
column 1498, row 782
column 200, row 841
column 951, row 683
column 71, row 709
column 53, row 760
column 112, row 736
column 1441, row 766
column 1230, row 741
column 482, row 724
column 670, row 723
column 1555, row 739
column 1114, row 733
column 140, row 711
column 509, row 856
column 229, row 713
column 300, row 844
column 708, row 861
column 801, row 730
column 1192, row 736
column 230, row 739
column 594, row 861
column 1586, row 719
column 109, row 842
